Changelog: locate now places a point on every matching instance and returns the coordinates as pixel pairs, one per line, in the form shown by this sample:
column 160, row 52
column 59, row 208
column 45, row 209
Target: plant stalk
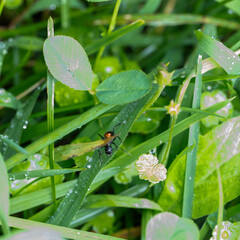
column 50, row 116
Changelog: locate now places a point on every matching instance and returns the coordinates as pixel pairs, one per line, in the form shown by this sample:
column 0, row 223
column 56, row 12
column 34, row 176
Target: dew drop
column 52, row 7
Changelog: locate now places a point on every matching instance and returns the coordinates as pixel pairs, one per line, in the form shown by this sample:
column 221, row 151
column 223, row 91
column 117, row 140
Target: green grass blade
column 192, row 155
column 65, row 232
column 12, row 144
column 71, row 203
column 50, row 114
column 84, row 215
column 42, row 196
column 4, row 199
column 112, row 37
column 18, row 123
column 124, row 160
column 59, row 133
column 108, row 200
column 224, row 56
column 40, row 173
column 159, row 20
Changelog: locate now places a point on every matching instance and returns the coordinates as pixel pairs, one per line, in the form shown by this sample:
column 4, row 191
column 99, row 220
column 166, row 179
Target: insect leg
column 101, row 136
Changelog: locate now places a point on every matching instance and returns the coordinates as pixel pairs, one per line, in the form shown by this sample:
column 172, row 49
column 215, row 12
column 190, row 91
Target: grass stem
column 50, row 116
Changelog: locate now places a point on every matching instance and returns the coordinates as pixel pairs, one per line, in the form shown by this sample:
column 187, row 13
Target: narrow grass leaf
column 30, row 43
column 58, row 133
column 40, row 173
column 192, row 140
column 218, row 148
column 150, row 6
column 72, row 202
column 111, row 37
column 4, row 199
column 42, row 196
column 124, row 160
column 8, row 100
column 12, row 144
column 18, row 124
column 68, row 233
column 68, row 62
column 224, row 56
column 108, row 200
column 84, row 215
column 123, row 87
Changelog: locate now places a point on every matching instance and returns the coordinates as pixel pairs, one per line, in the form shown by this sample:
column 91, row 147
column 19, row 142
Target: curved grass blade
column 41, row 173
column 71, row 203
column 108, row 200
column 12, row 144
column 18, row 123
column 68, row 233
column 124, row 160
column 42, row 196
column 59, row 133
column 4, row 199
column 84, row 215
column 192, row 140
column 111, row 37
column 224, row 56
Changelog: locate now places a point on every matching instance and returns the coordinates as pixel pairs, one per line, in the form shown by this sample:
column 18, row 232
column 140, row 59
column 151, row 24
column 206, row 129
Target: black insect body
column 108, row 147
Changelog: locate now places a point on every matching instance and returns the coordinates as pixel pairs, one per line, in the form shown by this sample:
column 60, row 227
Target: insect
column 108, row 147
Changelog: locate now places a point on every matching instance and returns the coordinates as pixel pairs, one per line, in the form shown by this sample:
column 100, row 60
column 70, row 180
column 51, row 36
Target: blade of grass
column 124, row 160
column 42, row 196
column 2, row 6
column 92, row 48
column 50, row 114
column 41, row 173
column 157, row 20
column 12, row 144
column 59, row 133
column 186, row 109
column 64, row 14
column 4, row 200
column 108, row 200
column 84, row 215
column 192, row 140
column 224, row 56
column 18, row 123
column 68, row 233
column 72, row 202
column 110, row 29
column 221, row 203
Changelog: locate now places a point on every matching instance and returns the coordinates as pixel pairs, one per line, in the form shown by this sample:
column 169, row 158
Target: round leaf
column 123, row 87
column 170, row 226
column 68, row 62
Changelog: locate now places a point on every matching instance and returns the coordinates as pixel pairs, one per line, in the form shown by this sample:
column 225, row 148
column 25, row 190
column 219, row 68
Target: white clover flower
column 159, row 172
column 149, row 168
column 145, row 163
column 225, row 231
column 173, row 108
